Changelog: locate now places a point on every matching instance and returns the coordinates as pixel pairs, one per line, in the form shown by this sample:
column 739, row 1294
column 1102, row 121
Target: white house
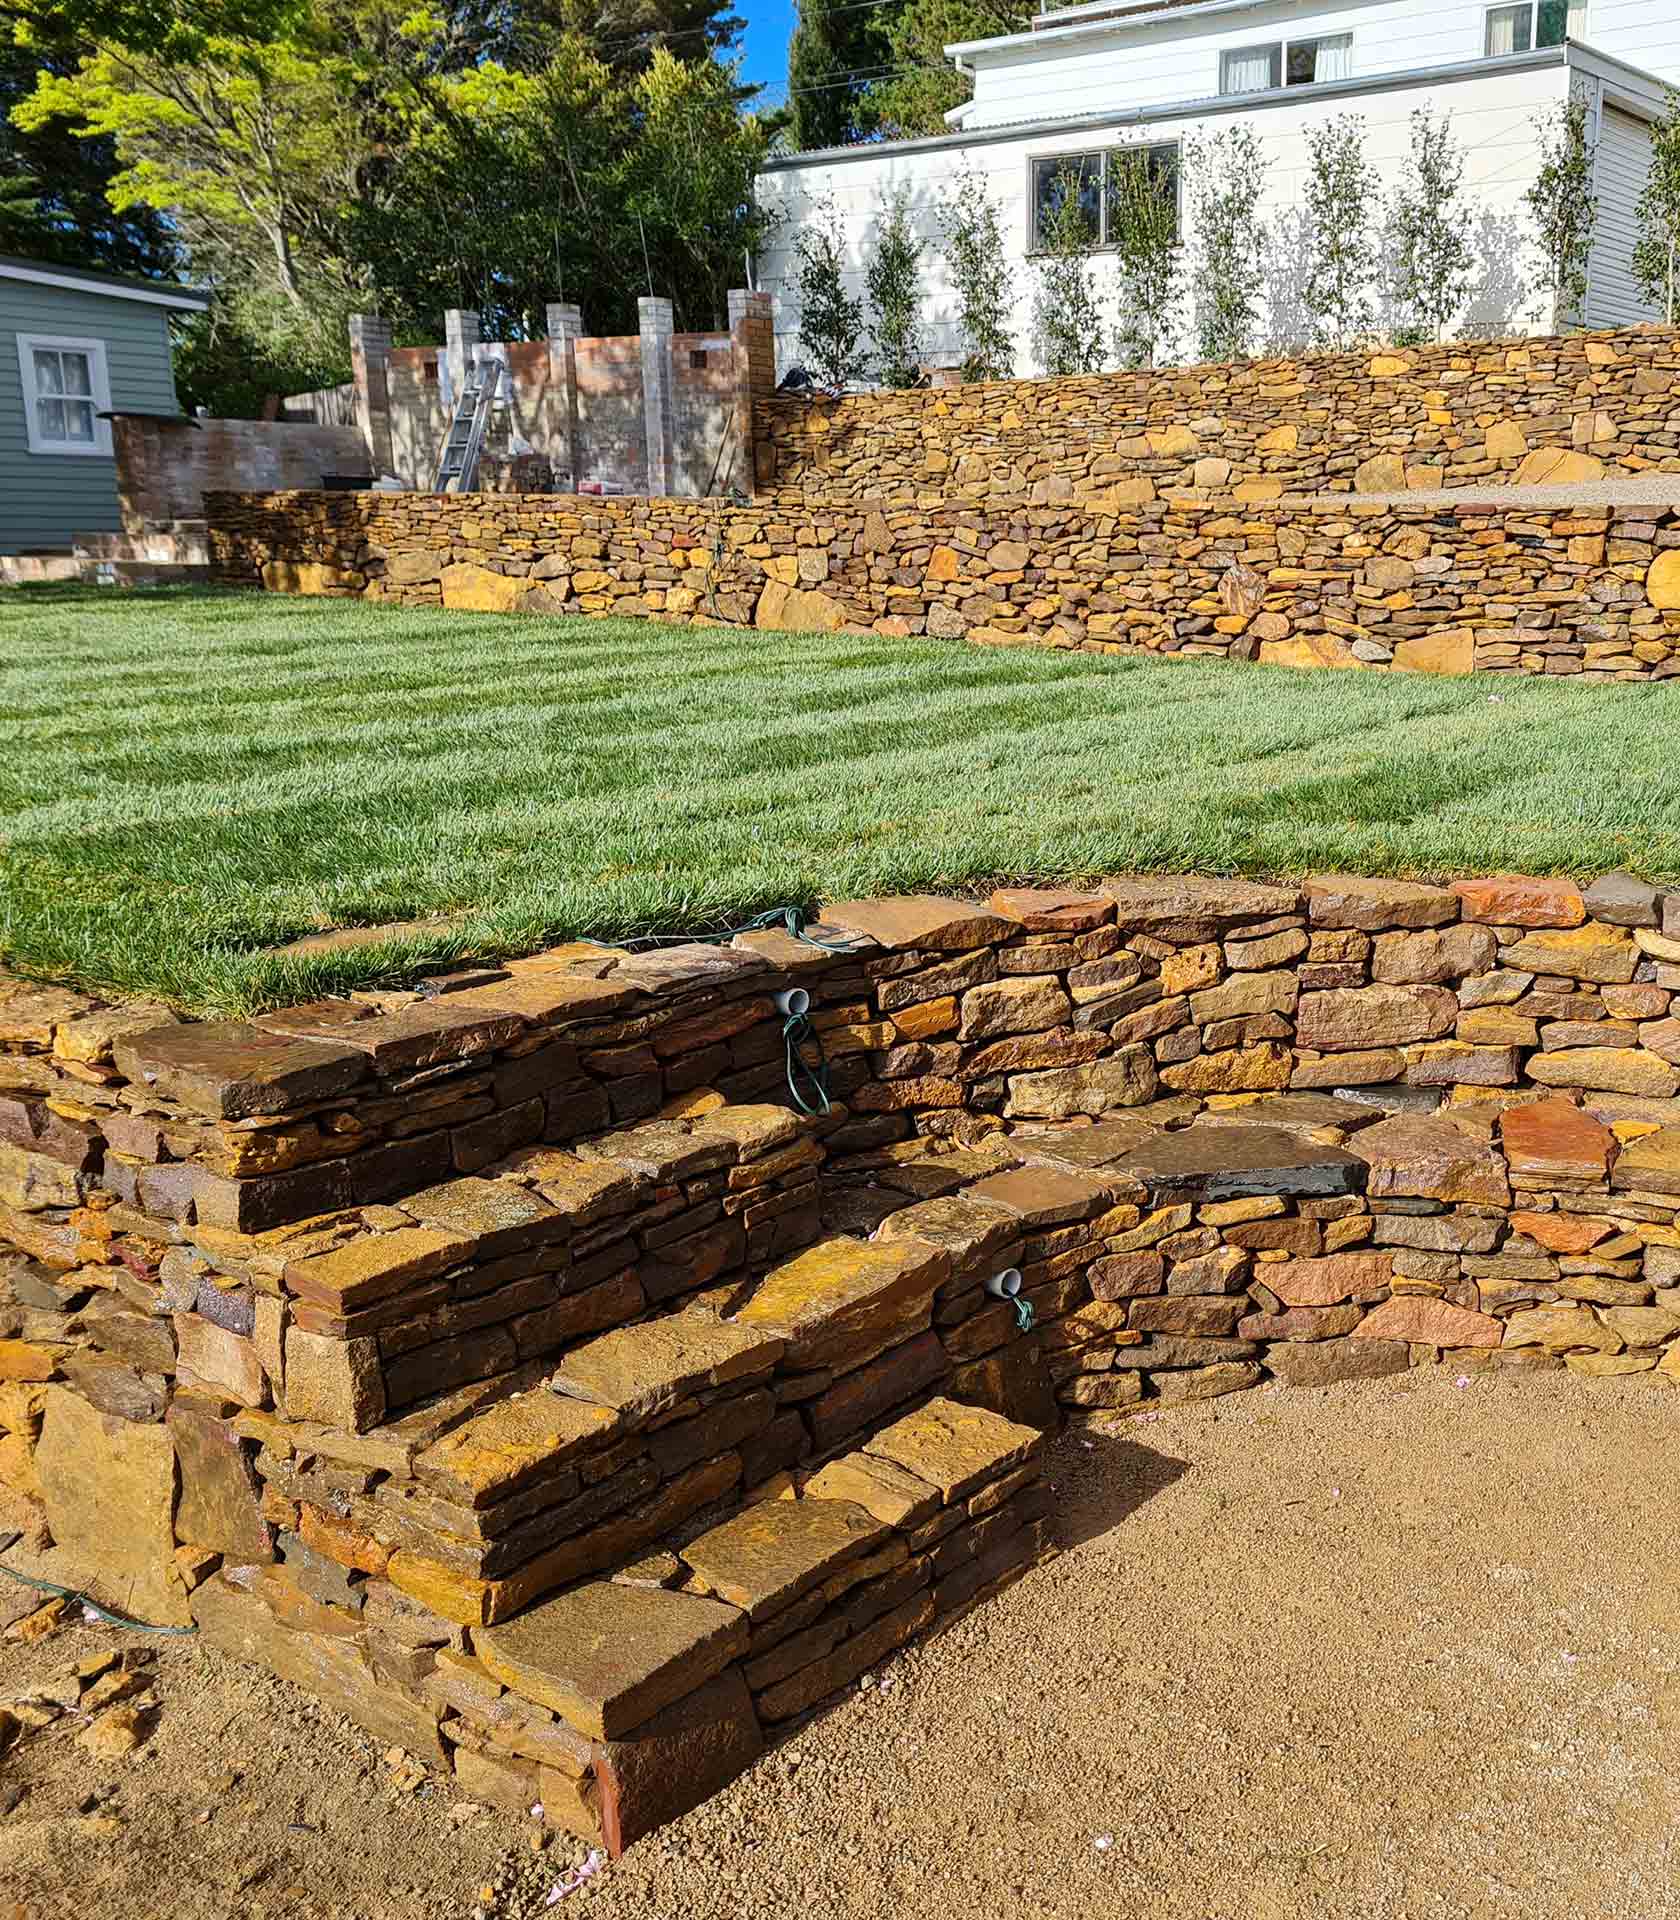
column 1086, row 79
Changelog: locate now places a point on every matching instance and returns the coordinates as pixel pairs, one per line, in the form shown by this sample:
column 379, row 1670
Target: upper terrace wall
column 1447, row 416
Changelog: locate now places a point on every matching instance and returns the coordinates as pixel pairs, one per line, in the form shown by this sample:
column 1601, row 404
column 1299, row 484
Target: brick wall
column 165, row 467
column 1448, row 416
column 1438, row 589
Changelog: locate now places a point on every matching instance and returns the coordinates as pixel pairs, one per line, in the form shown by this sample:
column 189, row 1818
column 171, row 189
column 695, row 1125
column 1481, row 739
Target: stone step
column 676, row 1668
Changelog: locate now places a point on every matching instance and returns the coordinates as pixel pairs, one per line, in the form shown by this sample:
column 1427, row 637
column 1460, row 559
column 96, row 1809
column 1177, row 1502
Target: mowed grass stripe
column 188, row 780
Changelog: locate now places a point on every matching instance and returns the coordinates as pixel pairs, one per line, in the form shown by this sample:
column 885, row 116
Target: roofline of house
column 1200, row 109
column 1072, row 27
column 113, row 286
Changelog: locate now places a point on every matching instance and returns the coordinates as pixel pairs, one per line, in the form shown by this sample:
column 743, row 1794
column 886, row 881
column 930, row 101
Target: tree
column 1229, row 176
column 920, row 85
column 1143, row 194
column 55, row 201
column 1429, row 231
column 830, row 318
column 836, row 46
column 1067, row 315
column 367, row 156
column 1563, row 204
column 977, row 264
column 1342, row 207
column 1656, row 255
column 893, row 279
column 251, row 152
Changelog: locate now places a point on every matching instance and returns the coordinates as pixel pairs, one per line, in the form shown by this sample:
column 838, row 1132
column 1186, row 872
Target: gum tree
column 1143, row 195
column 977, row 264
column 1563, row 205
column 1429, row 223
column 1342, row 205
column 830, row 318
column 894, row 283
column 1067, row 314
column 1229, row 176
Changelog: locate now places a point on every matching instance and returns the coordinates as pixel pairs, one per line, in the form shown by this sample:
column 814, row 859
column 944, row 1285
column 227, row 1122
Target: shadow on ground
column 1124, row 1476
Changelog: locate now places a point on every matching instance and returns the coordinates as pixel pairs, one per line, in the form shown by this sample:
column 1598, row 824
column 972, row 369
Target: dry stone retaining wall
column 1506, row 589
column 1519, row 411
column 511, row 1365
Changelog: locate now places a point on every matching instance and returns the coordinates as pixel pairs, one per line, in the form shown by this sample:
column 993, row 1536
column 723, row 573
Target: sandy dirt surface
column 1391, row 1651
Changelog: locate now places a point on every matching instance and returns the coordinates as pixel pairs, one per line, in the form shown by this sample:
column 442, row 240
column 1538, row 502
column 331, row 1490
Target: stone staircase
column 509, row 1363
column 599, row 1588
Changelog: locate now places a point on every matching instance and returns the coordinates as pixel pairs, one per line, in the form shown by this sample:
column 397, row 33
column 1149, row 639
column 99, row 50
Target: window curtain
column 1507, row 30
column 1333, row 59
column 1249, row 70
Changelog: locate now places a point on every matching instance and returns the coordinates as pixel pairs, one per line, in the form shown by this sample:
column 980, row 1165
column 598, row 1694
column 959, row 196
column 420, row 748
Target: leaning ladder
column 457, row 466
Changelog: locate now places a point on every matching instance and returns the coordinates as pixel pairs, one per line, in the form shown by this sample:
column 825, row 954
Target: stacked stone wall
column 1505, row 412
column 1508, row 588
column 633, row 1413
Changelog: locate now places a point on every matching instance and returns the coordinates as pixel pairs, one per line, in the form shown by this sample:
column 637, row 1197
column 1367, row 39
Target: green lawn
column 187, row 780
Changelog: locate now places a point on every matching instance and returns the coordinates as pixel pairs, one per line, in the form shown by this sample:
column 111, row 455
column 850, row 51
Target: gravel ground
column 1391, row 1651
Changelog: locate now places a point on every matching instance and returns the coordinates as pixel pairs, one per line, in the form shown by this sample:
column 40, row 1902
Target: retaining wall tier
column 512, row 1364
column 1498, row 588
column 1573, row 407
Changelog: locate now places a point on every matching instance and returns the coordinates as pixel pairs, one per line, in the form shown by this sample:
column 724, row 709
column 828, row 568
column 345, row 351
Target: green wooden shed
column 73, row 346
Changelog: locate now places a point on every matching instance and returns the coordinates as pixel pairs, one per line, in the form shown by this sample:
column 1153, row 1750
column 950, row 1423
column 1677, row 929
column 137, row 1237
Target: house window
column 65, row 390
column 1534, row 23
column 1095, row 178
column 1292, row 63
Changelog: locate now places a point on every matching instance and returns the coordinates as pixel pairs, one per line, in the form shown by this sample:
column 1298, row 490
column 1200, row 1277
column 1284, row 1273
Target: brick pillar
column 752, row 332
column 460, row 340
column 565, row 330
column 656, row 322
column 370, row 365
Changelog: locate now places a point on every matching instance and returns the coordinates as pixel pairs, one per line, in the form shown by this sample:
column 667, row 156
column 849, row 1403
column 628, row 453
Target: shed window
column 65, row 390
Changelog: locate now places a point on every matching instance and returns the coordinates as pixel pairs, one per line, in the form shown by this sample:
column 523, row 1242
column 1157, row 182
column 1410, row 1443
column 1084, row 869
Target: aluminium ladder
column 457, row 466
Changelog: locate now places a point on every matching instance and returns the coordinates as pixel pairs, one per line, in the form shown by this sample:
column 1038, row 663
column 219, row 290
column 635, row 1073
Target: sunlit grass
column 187, row 780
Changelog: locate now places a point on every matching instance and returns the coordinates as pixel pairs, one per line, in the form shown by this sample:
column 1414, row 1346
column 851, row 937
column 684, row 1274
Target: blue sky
column 764, row 47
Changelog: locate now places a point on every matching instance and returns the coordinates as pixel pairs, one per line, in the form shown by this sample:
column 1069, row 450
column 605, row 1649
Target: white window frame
column 99, row 378
column 1508, row 6
column 1281, row 49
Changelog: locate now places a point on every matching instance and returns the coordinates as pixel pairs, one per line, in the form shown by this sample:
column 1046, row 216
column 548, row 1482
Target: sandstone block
column 1026, row 1003
column 1372, row 1017
column 1561, row 1330
column 1426, row 1322
column 1518, row 900
column 110, row 1498
column 1348, row 901
column 1552, row 1140
column 765, row 1558
column 606, row 1658
column 1124, row 1079
column 1430, row 1159
column 845, row 1300
column 1431, row 958
column 1323, row 1364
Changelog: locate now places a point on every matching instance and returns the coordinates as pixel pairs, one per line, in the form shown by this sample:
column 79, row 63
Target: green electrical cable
column 93, row 1606
column 796, row 1030
column 1025, row 1318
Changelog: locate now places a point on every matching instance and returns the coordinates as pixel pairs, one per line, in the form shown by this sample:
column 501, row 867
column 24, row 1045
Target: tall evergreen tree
column 55, row 203
column 837, row 46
